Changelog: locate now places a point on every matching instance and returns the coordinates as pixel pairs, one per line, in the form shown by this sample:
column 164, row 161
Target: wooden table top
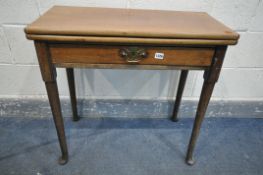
column 110, row 22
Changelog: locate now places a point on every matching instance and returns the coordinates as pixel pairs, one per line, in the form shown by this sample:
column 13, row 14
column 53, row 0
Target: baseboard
column 130, row 108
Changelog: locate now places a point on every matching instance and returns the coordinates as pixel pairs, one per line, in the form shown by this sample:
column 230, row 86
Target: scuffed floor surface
column 131, row 147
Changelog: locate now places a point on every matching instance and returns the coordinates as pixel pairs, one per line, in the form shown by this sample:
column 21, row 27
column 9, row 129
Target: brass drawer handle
column 133, row 54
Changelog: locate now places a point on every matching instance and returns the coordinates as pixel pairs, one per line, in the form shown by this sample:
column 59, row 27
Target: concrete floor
column 131, row 147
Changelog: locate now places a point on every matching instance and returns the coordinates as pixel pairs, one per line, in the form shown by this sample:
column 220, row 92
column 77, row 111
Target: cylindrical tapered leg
column 72, row 91
column 53, row 96
column 210, row 78
column 179, row 95
column 201, row 109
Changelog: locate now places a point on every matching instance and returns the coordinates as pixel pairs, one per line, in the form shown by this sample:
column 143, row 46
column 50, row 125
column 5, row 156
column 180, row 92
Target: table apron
column 96, row 56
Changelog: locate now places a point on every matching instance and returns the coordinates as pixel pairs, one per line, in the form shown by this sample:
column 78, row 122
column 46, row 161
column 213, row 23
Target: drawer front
column 169, row 56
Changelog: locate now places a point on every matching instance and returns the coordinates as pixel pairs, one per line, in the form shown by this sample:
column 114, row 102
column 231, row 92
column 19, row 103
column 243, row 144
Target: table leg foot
column 174, row 119
column 63, row 160
column 75, row 119
column 190, row 161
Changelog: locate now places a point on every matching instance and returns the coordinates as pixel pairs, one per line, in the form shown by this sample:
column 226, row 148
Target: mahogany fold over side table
column 72, row 37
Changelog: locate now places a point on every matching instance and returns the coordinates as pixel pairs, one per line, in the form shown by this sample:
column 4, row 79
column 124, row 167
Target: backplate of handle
column 133, row 54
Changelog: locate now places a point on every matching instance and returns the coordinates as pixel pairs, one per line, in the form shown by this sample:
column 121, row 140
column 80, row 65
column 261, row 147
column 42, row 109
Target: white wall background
column 241, row 78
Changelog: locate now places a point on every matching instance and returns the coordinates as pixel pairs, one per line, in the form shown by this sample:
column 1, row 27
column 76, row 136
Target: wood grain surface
column 87, row 21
